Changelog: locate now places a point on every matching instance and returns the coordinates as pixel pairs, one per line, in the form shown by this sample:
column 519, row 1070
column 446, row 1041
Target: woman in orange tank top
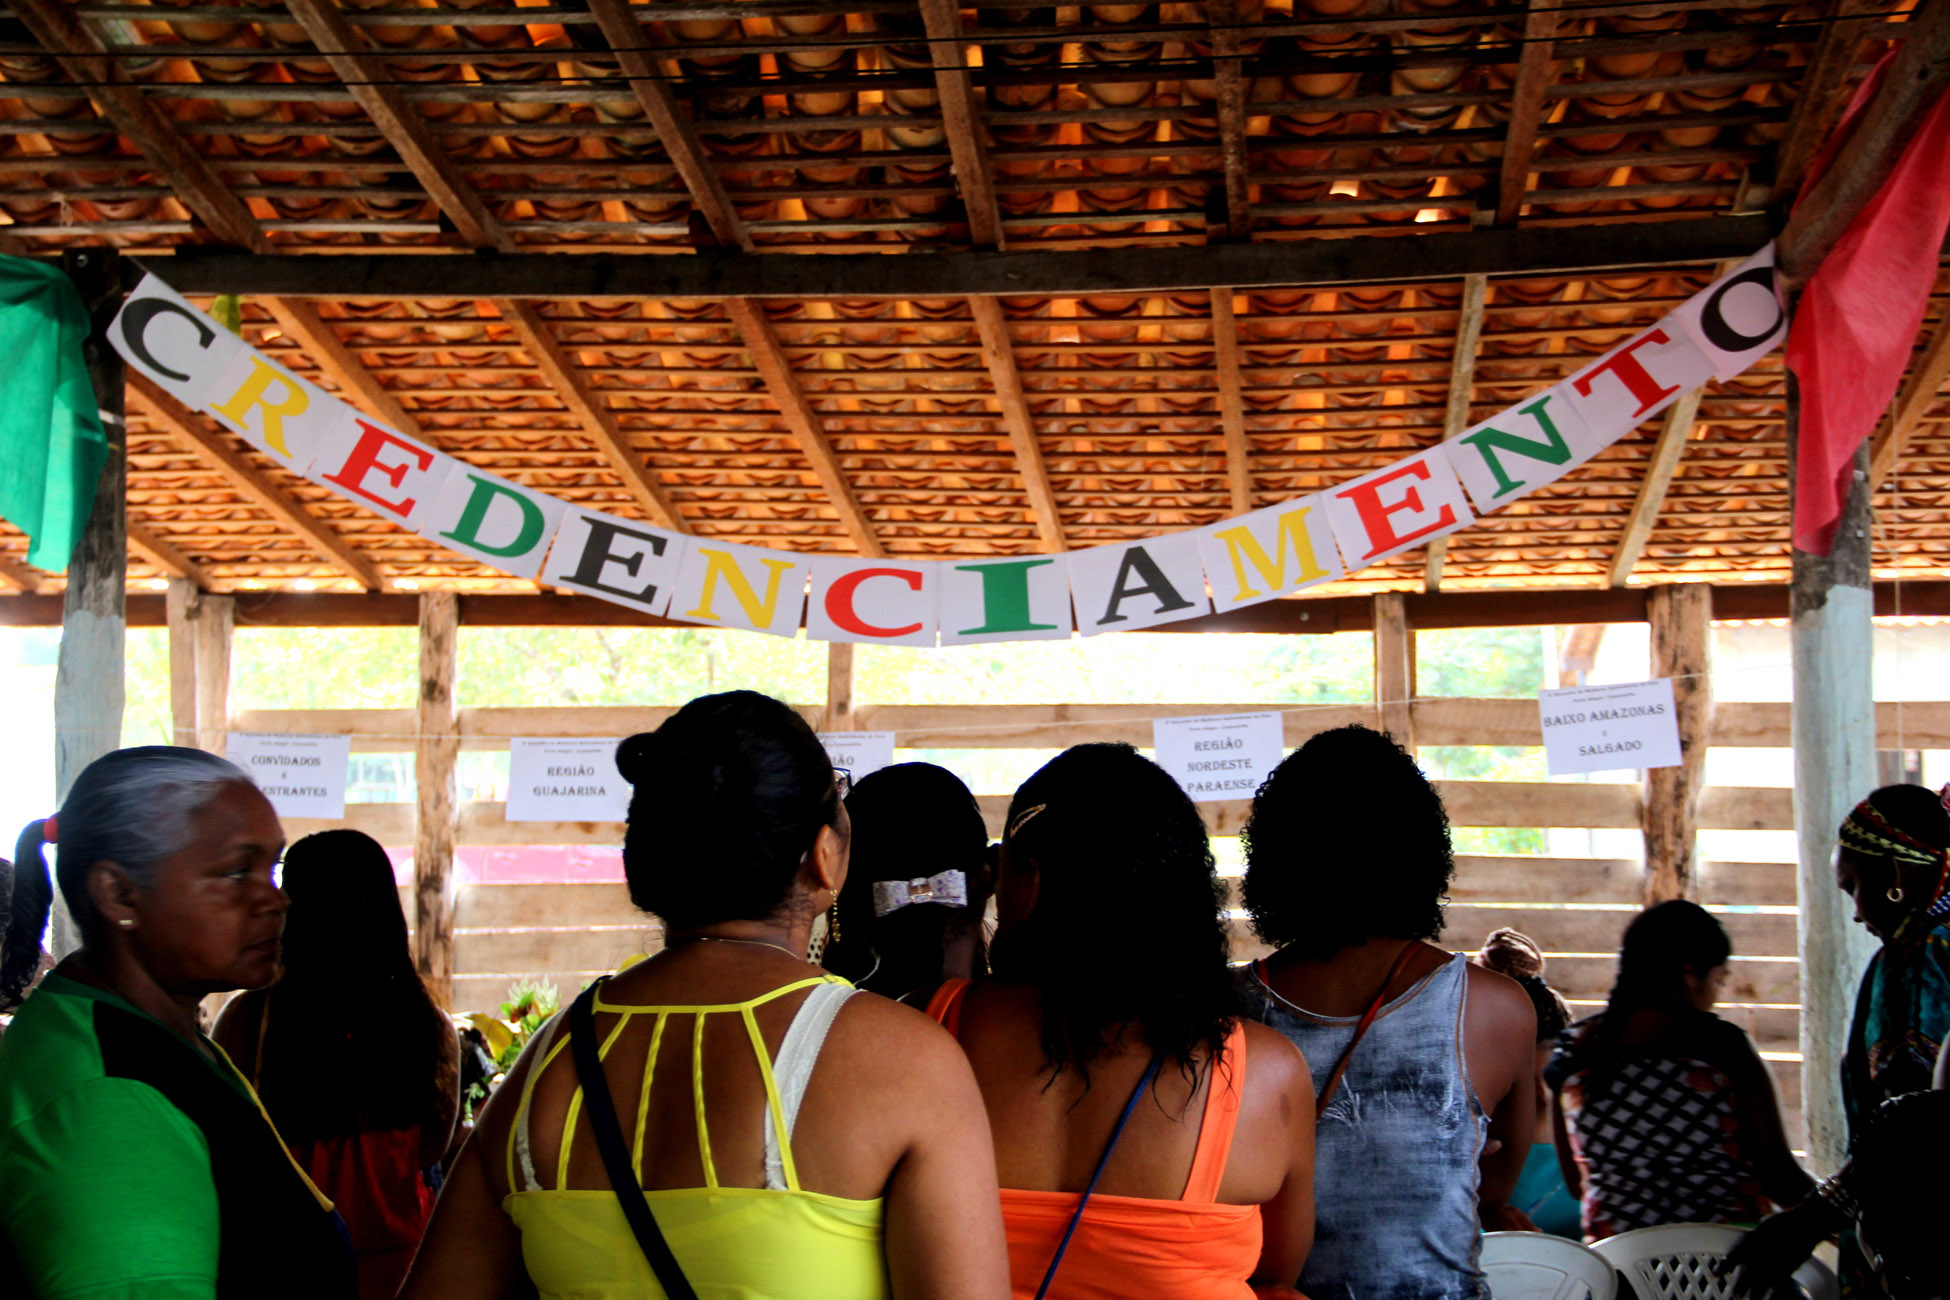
column 1116, row 1072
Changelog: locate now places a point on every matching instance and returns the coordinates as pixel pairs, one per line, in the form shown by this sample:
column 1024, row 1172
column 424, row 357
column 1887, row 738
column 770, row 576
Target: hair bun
column 1510, row 952
column 636, row 755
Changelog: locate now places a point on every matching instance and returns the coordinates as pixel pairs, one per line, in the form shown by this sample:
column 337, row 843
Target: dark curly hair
column 1347, row 841
column 1128, row 932
column 730, row 793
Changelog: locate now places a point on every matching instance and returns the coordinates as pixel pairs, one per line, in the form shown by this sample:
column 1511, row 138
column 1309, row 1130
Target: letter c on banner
column 135, row 322
column 839, row 601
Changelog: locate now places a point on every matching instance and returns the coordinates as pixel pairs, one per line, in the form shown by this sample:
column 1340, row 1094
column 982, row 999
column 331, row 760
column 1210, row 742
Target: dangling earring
column 833, row 922
column 1895, row 894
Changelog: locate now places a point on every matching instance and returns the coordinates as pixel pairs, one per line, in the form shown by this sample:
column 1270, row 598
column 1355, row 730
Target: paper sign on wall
column 565, row 779
column 859, row 752
column 302, row 776
column 1606, row 728
column 1225, row 756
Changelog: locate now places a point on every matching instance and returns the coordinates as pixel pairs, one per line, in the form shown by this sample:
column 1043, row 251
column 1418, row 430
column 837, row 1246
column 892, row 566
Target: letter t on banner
column 1410, row 503
column 887, row 602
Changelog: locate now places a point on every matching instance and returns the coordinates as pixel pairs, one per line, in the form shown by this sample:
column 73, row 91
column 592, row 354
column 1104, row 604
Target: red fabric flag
column 1859, row 315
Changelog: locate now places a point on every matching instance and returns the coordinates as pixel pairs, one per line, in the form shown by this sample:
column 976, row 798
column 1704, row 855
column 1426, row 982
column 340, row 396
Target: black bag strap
column 616, row 1157
column 1076, row 1217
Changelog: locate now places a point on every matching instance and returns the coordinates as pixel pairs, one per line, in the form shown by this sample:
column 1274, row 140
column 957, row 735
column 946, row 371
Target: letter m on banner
column 1269, row 553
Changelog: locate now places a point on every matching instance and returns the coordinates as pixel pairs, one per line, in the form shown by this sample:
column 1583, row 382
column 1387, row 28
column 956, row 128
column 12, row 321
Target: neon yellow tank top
column 778, row 1242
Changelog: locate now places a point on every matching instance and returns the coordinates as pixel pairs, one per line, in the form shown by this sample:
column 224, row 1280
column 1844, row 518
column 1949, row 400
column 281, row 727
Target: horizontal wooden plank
column 561, row 906
column 1525, row 879
column 372, row 730
column 1746, row 808
column 542, row 951
column 1598, row 929
column 389, row 823
column 1752, row 979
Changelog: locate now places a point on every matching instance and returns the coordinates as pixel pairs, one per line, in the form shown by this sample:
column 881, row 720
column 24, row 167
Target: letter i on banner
column 1738, row 318
column 883, row 601
column 1410, row 503
column 397, row 477
column 501, row 524
column 164, row 336
column 620, row 560
column 753, row 587
column 1269, row 553
column 1005, row 600
column 1138, row 584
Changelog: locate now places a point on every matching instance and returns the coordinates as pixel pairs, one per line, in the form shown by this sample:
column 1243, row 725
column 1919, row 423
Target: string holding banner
column 1273, row 552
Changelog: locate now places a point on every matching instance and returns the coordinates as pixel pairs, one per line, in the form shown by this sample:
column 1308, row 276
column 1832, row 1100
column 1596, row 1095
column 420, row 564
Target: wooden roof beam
column 961, row 119
column 1000, row 358
column 1526, row 108
column 1820, row 99
column 1462, row 390
column 628, row 38
column 1925, row 383
column 1230, row 69
column 776, row 372
column 1681, row 417
column 177, row 420
column 1232, row 402
column 301, row 322
column 18, row 576
column 559, row 369
column 151, row 547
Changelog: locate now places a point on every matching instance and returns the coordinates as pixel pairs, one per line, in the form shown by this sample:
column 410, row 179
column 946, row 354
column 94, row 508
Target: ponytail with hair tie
column 29, row 898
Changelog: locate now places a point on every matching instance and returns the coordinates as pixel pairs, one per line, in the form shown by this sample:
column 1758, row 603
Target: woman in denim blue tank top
column 1420, row 1059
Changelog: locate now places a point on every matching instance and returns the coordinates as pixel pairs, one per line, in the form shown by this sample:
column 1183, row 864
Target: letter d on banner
column 501, row 524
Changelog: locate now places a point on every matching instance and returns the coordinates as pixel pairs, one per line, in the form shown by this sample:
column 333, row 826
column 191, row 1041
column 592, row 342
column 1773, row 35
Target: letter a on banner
column 1005, row 600
column 1410, row 503
column 162, row 335
column 501, row 524
column 1522, row 449
column 1738, row 318
column 619, row 560
column 1138, row 584
column 753, row 587
column 1268, row 553
column 882, row 601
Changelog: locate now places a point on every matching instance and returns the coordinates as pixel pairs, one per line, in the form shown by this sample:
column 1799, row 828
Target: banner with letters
column 1276, row 551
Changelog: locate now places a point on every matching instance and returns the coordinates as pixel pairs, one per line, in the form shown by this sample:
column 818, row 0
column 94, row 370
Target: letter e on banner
column 620, row 560
column 753, row 587
column 1025, row 599
column 164, row 336
column 1269, row 553
column 502, row 524
column 396, row 476
column 889, row 602
column 1738, row 318
column 1636, row 381
column 1409, row 503
column 1138, row 584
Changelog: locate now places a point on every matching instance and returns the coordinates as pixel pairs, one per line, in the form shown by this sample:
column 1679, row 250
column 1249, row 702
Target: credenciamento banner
column 1269, row 553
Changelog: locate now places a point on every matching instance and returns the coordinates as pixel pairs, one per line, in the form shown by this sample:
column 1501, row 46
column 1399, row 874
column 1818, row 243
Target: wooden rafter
column 1230, row 70
column 1526, row 108
column 301, row 321
column 151, row 547
column 1681, row 417
column 1000, row 359
column 1232, row 402
column 769, row 359
column 1918, row 393
column 1462, row 390
column 19, row 577
column 1819, row 101
column 962, row 120
column 177, row 420
column 559, row 369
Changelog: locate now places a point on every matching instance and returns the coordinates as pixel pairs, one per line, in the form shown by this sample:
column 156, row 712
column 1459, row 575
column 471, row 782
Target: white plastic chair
column 1539, row 1266
column 1680, row 1261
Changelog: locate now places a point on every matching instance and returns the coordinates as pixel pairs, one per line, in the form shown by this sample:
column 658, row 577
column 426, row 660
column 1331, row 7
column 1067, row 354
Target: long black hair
column 1128, row 931
column 909, row 821
column 1663, row 944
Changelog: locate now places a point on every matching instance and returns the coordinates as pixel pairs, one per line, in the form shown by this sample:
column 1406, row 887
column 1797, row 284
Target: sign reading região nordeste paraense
column 302, row 776
column 1276, row 551
column 1609, row 728
column 861, row 753
column 1223, row 756
column 565, row 779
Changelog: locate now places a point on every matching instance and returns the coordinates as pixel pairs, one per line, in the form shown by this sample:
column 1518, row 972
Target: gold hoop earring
column 1895, row 894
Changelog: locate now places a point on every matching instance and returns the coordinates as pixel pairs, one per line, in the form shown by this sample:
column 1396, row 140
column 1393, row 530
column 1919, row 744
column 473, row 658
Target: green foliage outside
column 1484, row 662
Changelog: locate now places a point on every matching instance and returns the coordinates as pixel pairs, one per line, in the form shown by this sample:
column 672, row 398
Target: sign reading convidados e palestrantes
column 565, row 779
column 302, row 776
column 1224, row 756
column 1606, row 728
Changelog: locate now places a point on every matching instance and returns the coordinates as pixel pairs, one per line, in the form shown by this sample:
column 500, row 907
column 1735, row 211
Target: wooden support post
column 1462, row 391
column 1682, row 634
column 437, row 819
column 179, row 610
column 839, row 686
column 200, row 629
column 1394, row 667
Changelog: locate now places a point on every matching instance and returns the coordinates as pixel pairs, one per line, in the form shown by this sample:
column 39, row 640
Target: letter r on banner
column 1410, row 503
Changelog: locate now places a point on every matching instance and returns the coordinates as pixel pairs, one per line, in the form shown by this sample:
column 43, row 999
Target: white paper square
column 722, row 584
column 396, row 477
column 620, row 560
column 509, row 515
column 317, row 422
column 1260, row 556
column 1610, row 728
column 885, row 602
column 1161, row 581
column 302, row 776
column 1671, row 363
column 1420, row 499
column 186, row 349
column 1736, row 320
column 989, row 594
column 1224, row 756
column 1475, row 457
column 859, row 752
column 565, row 779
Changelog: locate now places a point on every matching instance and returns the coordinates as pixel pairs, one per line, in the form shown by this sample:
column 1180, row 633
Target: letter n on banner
column 1138, row 584
column 620, row 560
column 1738, row 318
column 727, row 585
column 164, row 336
column 1521, row 449
column 883, row 601
column 1409, row 503
column 1027, row 599
column 503, row 525
column 1269, row 553
column 1637, row 380
column 372, row 466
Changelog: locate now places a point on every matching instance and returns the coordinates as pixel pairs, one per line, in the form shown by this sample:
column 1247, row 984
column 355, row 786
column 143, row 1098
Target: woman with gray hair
column 134, row 1158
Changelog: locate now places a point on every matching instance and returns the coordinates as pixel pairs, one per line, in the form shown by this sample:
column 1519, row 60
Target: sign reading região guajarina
column 302, row 776
column 565, row 779
column 1610, row 728
column 1224, row 756
column 1280, row 550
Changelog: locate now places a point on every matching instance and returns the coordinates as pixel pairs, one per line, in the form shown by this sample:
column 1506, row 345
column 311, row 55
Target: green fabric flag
column 51, row 441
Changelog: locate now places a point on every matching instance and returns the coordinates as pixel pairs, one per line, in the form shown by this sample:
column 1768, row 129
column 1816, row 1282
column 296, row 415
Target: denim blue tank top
column 1395, row 1172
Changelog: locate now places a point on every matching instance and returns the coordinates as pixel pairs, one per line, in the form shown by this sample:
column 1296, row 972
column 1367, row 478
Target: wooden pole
column 437, row 819
column 1831, row 628
column 1682, row 633
column 839, row 686
column 216, row 619
column 179, row 607
column 1394, row 667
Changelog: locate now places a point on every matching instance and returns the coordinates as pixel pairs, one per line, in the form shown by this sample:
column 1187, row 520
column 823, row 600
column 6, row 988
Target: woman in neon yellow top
column 793, row 1139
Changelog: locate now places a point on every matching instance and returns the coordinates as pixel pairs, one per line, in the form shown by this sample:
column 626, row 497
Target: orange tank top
column 1192, row 1248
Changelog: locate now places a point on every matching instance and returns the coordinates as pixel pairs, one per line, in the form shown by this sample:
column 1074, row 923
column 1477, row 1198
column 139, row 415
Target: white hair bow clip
column 943, row 887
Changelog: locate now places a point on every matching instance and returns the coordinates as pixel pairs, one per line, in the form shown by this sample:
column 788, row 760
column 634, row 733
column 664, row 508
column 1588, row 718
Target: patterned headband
column 1867, row 832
